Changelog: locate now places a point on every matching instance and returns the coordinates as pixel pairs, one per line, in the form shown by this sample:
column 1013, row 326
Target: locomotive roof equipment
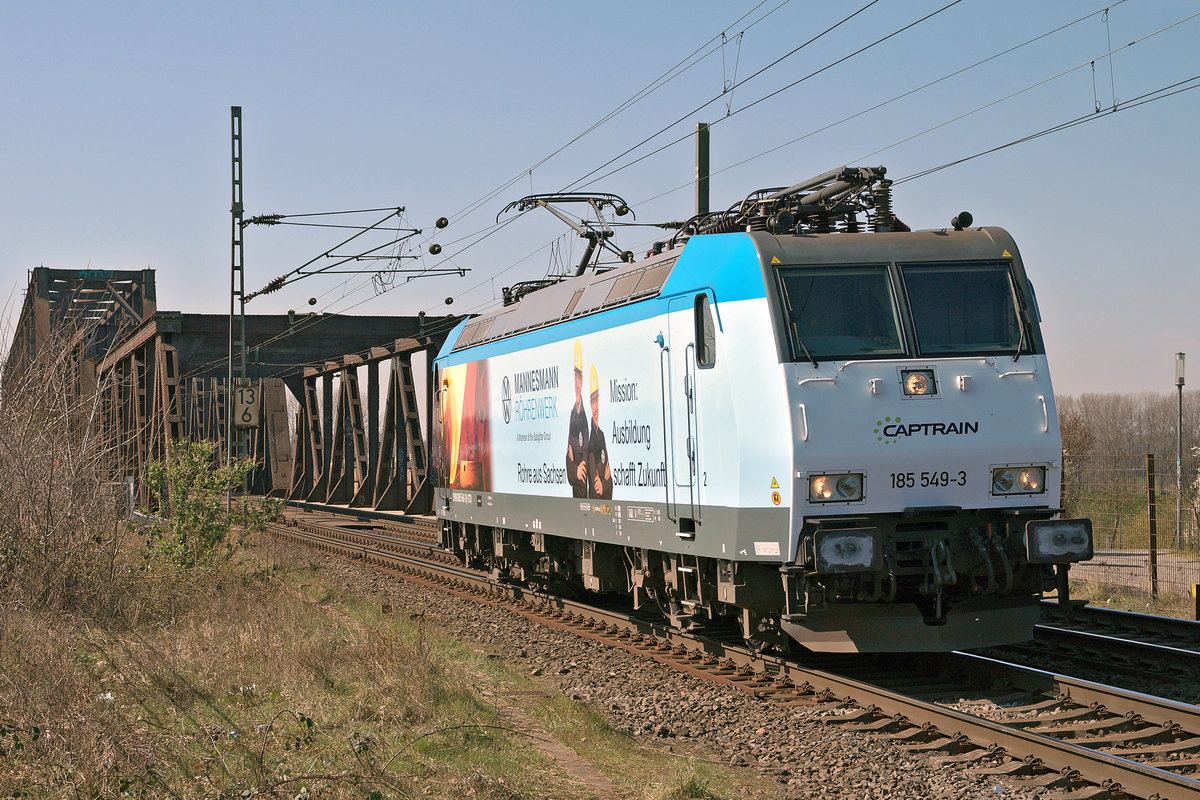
column 596, row 233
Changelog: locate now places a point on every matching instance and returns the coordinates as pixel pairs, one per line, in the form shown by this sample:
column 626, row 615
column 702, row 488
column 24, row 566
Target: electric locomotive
column 796, row 416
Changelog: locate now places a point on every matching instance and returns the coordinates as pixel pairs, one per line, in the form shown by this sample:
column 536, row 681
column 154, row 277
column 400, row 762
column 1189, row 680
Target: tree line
column 1106, row 438
column 1128, row 424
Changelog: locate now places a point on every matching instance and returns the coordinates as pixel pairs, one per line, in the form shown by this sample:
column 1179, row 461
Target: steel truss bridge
column 157, row 377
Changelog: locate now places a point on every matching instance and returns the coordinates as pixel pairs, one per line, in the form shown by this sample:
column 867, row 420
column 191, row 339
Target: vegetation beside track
column 241, row 691
column 1122, row 598
column 258, row 678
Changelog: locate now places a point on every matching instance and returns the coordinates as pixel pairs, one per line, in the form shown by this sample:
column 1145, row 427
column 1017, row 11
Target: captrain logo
column 890, row 430
column 880, row 427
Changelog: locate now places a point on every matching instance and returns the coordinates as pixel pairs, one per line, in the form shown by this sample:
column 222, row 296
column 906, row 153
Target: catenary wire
column 1162, row 93
column 1030, row 87
column 656, row 82
column 817, row 72
column 1069, row 124
column 794, row 83
column 580, row 181
column 889, row 101
column 679, row 68
column 1158, row 94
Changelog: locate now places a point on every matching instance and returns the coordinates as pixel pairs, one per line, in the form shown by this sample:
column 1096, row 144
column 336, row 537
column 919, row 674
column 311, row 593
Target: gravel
column 663, row 708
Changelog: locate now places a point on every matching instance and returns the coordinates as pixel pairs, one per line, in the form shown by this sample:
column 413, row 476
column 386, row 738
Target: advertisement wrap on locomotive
column 843, row 440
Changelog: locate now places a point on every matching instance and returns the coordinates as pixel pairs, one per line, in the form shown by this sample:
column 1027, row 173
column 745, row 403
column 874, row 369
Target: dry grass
column 1124, row 598
column 124, row 675
column 252, row 692
column 247, row 691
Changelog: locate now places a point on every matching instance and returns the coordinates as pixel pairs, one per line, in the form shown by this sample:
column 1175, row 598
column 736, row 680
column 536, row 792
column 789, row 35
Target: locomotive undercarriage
column 937, row 567
column 932, row 558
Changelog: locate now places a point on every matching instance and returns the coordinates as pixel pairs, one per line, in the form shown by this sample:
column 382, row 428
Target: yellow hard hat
column 578, row 357
column 595, row 381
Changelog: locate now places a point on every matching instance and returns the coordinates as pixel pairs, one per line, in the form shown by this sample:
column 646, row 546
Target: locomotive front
column 926, row 449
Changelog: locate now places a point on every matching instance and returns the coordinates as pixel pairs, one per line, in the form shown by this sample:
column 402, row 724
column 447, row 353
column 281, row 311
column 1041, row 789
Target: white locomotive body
column 845, row 439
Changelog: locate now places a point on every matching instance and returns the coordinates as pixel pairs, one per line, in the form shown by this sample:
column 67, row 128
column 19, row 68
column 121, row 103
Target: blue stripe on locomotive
column 728, row 264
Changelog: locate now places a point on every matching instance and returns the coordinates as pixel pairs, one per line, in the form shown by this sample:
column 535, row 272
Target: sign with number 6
column 247, row 405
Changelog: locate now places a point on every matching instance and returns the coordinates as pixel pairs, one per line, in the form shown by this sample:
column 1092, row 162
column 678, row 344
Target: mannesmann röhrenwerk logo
column 881, row 425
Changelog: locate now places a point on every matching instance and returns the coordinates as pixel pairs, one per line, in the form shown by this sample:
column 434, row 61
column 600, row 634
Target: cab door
column 689, row 339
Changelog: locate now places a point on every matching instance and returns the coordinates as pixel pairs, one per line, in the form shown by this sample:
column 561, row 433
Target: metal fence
column 1147, row 533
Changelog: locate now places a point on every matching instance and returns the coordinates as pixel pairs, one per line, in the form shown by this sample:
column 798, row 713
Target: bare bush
column 60, row 529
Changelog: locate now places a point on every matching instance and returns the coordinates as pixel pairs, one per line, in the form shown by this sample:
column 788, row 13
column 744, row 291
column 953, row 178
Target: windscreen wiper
column 1023, row 321
column 799, row 341
column 787, row 298
column 1020, row 342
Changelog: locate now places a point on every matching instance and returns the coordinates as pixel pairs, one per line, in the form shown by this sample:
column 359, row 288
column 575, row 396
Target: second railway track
column 1074, row 737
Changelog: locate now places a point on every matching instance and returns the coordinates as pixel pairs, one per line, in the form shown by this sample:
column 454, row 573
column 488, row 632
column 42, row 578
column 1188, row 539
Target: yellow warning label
column 774, row 483
column 775, row 259
column 1006, row 254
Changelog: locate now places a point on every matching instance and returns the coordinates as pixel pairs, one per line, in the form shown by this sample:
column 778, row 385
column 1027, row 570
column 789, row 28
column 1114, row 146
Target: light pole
column 1179, row 453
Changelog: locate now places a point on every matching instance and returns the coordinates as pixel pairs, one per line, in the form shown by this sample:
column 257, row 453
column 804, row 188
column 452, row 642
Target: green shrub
column 194, row 488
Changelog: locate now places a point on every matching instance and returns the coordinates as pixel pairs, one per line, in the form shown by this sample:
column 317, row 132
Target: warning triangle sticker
column 775, row 260
column 1006, row 254
column 774, row 483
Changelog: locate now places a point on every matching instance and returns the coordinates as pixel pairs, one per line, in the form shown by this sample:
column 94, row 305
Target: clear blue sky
column 116, row 141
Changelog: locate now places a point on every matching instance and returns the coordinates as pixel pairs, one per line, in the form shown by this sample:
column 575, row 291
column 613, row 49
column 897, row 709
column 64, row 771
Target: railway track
column 1157, row 655
column 1062, row 735
column 1131, row 625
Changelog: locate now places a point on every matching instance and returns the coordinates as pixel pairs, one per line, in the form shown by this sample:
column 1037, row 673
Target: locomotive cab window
column 706, row 334
column 840, row 312
column 965, row 309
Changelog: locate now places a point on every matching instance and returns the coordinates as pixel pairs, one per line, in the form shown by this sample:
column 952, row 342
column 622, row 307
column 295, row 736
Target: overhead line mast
column 237, row 290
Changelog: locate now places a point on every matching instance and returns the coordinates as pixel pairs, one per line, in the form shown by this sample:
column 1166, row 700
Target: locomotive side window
column 706, row 334
column 840, row 312
column 965, row 309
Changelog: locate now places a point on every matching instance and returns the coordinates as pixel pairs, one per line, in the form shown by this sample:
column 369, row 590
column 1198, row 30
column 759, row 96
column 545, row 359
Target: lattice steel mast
column 237, row 292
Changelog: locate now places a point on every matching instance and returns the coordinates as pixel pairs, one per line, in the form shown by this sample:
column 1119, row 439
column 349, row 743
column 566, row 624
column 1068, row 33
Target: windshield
column 964, row 309
column 840, row 312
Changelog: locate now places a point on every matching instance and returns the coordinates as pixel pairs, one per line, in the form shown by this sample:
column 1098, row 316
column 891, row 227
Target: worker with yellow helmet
column 599, row 468
column 577, row 436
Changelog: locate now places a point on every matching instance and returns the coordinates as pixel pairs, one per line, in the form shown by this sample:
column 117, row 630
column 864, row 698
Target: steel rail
column 366, row 514
column 382, row 536
column 1182, row 630
column 1157, row 710
column 1094, row 766
column 1158, row 655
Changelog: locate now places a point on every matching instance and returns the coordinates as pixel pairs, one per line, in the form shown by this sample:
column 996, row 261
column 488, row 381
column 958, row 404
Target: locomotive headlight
column 845, row 487
column 848, row 550
column 918, row 382
column 820, row 488
column 1031, row 480
column 1058, row 541
column 1018, row 480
